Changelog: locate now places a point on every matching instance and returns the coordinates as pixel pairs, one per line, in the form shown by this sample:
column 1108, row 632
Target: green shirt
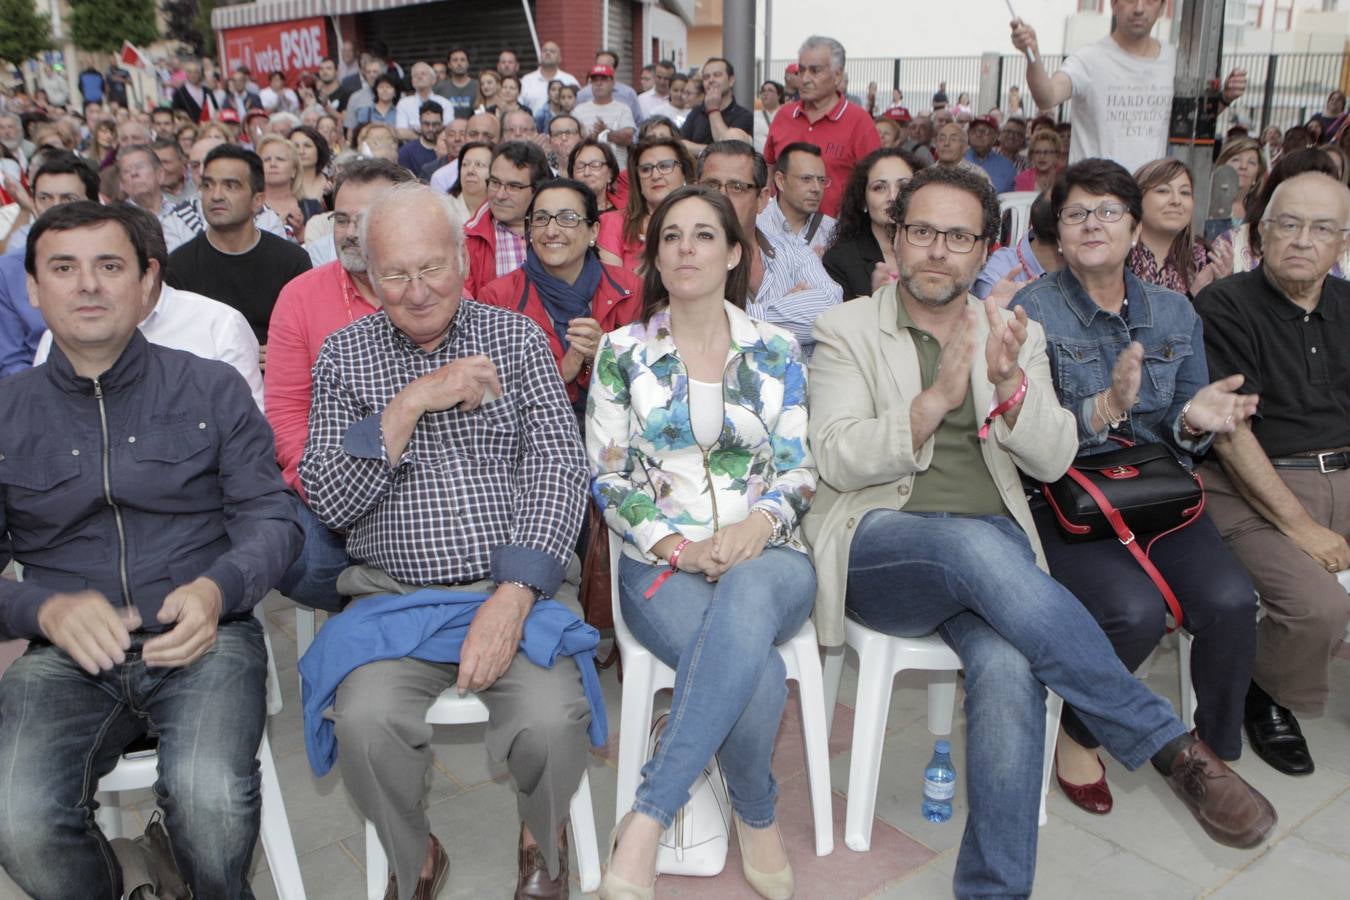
column 957, row 481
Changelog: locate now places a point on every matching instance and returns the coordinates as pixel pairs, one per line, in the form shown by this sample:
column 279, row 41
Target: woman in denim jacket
column 696, row 432
column 1128, row 360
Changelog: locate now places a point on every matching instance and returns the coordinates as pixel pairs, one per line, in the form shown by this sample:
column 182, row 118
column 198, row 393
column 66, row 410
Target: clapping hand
column 1001, row 349
column 1219, row 408
column 1126, row 377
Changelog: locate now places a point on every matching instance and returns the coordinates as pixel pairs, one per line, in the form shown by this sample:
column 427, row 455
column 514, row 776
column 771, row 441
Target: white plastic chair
column 452, row 709
column 139, row 773
column 880, row 658
column 1017, row 206
column 644, row 675
column 1184, row 641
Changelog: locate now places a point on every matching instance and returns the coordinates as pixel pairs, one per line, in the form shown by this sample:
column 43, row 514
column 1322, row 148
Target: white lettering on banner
column 300, row 48
column 287, row 47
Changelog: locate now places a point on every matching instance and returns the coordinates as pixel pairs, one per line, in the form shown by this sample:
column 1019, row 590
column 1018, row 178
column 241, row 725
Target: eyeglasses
column 399, row 282
column 496, row 184
column 730, row 188
column 594, row 165
column 925, row 235
column 1288, row 228
column 564, row 132
column 807, row 180
column 665, row 167
column 566, row 219
column 1105, row 212
column 473, row 165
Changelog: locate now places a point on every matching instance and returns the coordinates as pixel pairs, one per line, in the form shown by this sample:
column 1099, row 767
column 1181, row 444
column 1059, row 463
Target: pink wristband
column 1003, row 407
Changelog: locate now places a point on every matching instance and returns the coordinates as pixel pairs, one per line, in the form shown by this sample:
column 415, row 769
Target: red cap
column 793, row 68
column 228, row 114
column 983, row 120
column 898, row 114
column 601, row 72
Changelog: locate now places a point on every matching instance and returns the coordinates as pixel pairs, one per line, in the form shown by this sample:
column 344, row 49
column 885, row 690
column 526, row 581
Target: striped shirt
column 497, row 492
column 788, row 263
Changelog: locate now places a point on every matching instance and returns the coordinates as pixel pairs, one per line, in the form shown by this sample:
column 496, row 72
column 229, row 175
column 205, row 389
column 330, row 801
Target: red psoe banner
column 289, row 47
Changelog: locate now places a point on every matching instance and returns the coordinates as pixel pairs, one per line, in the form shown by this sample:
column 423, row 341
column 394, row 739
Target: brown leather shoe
column 427, row 888
column 532, row 881
column 1231, row 811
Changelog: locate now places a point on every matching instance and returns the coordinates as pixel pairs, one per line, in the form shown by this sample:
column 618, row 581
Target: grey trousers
column 538, row 721
column 1306, row 607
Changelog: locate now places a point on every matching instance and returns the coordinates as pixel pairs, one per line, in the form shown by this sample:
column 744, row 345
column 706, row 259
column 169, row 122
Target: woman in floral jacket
column 696, row 431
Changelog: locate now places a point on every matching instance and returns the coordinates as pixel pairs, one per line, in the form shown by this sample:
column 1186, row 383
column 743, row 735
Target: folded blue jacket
column 430, row 625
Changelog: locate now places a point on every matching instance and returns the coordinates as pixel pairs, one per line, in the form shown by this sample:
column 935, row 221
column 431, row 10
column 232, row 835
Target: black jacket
column 850, row 263
column 191, row 486
column 183, row 100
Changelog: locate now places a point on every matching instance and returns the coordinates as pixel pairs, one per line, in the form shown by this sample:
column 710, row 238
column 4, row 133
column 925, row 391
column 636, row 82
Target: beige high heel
column 612, row 887
column 778, row 885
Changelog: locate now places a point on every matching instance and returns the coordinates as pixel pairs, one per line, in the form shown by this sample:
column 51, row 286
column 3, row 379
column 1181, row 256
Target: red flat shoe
column 1094, row 798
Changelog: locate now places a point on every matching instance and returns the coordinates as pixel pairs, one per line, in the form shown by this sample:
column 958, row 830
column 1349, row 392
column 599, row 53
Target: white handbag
column 696, row 842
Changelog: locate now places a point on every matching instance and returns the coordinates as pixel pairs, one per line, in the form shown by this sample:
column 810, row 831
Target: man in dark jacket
column 139, row 491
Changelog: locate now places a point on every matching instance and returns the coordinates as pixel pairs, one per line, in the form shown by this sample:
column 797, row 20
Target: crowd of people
column 378, row 342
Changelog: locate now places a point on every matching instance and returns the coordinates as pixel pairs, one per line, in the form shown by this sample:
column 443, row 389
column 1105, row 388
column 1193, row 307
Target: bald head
column 1305, row 227
column 484, row 127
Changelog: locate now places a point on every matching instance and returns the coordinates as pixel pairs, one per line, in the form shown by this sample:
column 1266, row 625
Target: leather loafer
column 1276, row 737
column 1094, row 798
column 1231, row 811
column 427, row 888
column 532, row 881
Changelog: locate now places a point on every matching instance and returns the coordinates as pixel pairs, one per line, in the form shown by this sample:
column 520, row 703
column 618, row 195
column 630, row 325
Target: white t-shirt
column 411, row 119
column 616, row 116
column 1121, row 103
column 706, row 412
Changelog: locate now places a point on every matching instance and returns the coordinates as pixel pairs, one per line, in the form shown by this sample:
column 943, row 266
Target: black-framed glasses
column 925, row 235
column 566, row 219
column 665, row 167
column 1110, row 211
column 730, row 188
column 496, row 184
column 594, row 165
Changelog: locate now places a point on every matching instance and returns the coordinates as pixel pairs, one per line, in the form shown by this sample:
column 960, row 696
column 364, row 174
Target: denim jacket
column 653, row 480
column 1084, row 340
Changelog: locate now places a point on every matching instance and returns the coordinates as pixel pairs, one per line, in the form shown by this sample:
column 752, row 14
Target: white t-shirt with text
column 1122, row 103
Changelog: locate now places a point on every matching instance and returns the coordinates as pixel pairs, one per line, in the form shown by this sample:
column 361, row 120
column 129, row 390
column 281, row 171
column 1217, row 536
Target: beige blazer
column 864, row 375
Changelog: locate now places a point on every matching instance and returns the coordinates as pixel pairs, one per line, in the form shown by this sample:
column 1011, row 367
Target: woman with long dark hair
column 860, row 256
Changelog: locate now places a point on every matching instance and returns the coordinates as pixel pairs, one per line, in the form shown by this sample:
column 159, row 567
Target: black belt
column 1330, row 461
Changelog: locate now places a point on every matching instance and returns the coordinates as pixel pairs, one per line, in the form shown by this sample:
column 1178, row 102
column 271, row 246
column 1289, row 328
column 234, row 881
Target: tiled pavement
column 1147, row 847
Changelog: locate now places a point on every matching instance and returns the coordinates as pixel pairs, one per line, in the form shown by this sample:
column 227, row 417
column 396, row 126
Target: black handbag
column 1138, row 489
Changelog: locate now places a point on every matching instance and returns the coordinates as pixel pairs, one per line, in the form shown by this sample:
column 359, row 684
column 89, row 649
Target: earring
column 730, row 267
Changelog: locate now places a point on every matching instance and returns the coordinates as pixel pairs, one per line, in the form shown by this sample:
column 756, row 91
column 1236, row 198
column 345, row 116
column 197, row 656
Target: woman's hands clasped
column 714, row 556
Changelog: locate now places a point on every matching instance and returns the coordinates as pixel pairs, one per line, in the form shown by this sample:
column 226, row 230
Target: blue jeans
column 62, row 729
column 729, row 681
column 975, row 581
column 312, row 579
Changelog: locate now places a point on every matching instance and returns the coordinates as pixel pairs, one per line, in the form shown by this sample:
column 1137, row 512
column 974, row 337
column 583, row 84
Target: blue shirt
column 1083, row 341
column 999, row 168
column 1004, row 260
column 21, row 325
column 431, row 625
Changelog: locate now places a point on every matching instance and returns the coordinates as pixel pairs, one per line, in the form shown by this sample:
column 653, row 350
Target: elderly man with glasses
column 442, row 442
column 1280, row 492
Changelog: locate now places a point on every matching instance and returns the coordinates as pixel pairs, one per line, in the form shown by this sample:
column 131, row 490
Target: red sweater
column 617, row 302
column 308, row 309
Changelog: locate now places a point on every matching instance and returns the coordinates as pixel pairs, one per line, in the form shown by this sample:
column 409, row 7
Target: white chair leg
column 832, row 671
column 274, row 702
column 635, row 723
column 584, row 839
column 1184, row 642
column 108, row 816
column 377, row 864
column 304, row 630
column 941, row 701
column 869, row 728
column 1053, row 705
column 815, row 733
column 276, row 830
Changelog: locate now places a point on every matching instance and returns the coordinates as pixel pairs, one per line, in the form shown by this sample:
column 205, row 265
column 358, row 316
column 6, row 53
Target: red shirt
column 844, row 135
column 617, row 302
column 309, row 308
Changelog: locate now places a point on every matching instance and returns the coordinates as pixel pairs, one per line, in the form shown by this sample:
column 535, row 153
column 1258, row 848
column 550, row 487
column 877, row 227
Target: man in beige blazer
column 925, row 411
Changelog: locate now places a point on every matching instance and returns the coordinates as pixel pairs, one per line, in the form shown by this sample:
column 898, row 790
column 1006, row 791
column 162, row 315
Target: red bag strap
column 1126, row 537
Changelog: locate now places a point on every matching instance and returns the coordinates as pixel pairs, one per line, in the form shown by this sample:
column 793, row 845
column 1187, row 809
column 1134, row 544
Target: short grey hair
column 289, row 118
column 816, row 41
column 397, row 200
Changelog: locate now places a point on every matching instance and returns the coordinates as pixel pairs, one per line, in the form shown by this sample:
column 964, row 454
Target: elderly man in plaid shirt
column 442, row 442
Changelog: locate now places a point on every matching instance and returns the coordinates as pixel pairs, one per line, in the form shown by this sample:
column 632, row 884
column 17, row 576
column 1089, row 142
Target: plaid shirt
column 497, row 492
column 510, row 249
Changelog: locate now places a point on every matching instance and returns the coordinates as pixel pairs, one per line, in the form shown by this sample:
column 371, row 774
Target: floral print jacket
column 653, row 480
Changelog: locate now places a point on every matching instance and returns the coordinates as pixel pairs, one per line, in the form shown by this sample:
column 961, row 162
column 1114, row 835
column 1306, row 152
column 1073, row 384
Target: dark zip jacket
column 157, row 472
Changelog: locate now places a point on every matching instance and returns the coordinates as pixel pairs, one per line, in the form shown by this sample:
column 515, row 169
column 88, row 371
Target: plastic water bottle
column 939, row 784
